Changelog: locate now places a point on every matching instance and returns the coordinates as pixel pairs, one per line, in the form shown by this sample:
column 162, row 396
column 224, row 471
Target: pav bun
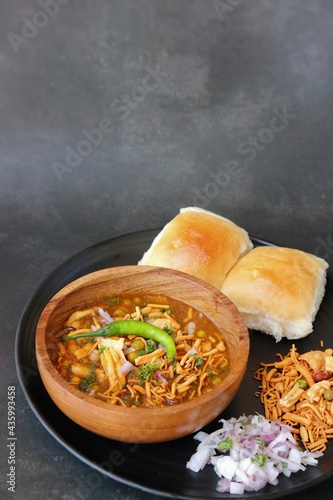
column 200, row 243
column 277, row 290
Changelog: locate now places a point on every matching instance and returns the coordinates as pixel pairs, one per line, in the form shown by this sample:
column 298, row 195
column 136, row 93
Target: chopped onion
column 128, row 350
column 223, row 486
column 198, row 460
column 104, row 315
column 236, row 488
column 160, row 377
column 201, row 435
column 163, row 347
column 192, row 351
column 125, row 368
column 191, row 328
column 249, row 452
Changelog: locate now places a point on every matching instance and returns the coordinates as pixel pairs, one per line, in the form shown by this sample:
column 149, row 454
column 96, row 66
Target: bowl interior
column 160, row 281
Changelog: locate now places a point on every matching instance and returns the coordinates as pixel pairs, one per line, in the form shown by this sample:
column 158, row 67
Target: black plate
column 155, row 468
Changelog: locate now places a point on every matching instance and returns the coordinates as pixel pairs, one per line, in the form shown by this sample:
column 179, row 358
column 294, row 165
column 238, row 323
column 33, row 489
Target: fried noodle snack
column 297, row 390
column 140, row 350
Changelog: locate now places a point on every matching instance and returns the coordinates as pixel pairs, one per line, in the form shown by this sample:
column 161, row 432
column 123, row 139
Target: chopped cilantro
column 112, row 301
column 260, row 459
column 151, row 346
column 86, row 382
column 146, row 372
column 198, row 362
column 163, row 310
column 168, row 330
column 225, row 445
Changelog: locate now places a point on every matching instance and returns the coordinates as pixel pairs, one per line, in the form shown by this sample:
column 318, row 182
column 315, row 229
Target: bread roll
column 277, row 290
column 200, row 243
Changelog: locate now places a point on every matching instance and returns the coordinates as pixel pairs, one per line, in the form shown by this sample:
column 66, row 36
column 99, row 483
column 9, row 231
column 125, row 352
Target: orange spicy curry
column 134, row 371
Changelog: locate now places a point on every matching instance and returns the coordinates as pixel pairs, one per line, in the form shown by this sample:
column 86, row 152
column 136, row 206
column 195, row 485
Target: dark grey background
column 222, row 79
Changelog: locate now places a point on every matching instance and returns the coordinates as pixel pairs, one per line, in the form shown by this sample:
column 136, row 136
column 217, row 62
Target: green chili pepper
column 132, row 327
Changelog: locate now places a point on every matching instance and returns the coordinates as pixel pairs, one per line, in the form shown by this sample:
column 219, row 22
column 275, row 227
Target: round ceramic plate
column 156, row 468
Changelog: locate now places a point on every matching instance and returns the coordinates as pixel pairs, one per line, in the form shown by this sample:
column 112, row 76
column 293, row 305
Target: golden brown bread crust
column 200, row 243
column 277, row 290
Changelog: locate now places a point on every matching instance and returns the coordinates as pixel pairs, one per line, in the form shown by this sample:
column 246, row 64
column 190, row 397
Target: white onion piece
column 160, row 377
column 198, row 460
column 163, row 347
column 223, row 486
column 128, row 350
column 236, row 488
column 200, row 436
column 104, row 315
column 192, row 351
column 125, row 368
column 254, row 453
column 191, row 328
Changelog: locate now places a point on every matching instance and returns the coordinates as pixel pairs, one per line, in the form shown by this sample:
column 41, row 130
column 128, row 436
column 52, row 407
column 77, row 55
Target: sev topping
column 292, row 393
column 134, row 371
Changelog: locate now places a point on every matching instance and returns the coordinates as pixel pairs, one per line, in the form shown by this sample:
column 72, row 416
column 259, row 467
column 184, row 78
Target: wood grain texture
column 142, row 425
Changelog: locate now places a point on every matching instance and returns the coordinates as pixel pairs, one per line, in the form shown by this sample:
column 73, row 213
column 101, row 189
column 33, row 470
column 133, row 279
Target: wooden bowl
column 142, row 425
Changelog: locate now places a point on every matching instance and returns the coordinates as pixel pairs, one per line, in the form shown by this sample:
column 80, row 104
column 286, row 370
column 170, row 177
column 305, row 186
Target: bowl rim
column 44, row 359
